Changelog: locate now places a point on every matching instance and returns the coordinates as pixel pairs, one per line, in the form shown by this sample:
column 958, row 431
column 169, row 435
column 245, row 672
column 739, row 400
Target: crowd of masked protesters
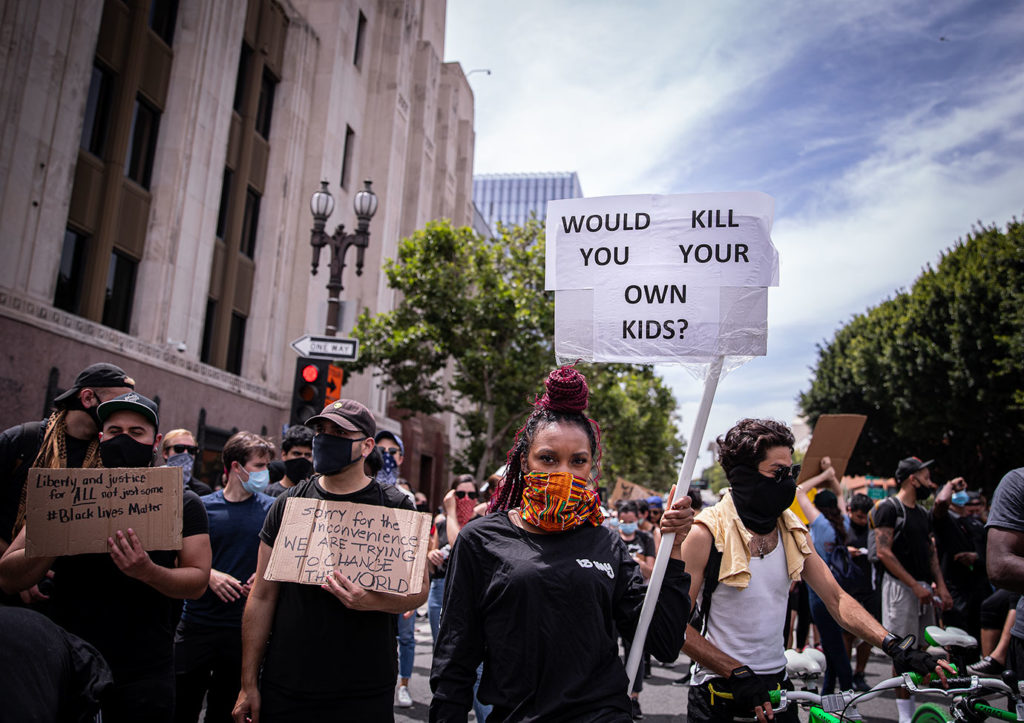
column 533, row 586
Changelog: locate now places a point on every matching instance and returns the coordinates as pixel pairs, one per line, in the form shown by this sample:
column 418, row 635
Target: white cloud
column 881, row 143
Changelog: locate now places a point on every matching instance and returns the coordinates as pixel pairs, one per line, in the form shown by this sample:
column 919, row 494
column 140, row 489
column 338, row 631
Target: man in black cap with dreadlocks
column 69, row 437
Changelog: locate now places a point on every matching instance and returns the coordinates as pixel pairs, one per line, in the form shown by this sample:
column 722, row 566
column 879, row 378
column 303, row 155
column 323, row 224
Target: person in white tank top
column 763, row 548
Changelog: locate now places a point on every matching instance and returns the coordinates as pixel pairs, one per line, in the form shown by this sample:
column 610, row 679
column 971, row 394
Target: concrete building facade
column 157, row 159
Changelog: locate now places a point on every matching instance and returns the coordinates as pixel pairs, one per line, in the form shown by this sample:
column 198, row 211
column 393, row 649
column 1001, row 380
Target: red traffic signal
column 310, row 373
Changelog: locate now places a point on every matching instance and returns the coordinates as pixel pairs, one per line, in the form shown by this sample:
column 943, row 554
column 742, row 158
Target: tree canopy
column 472, row 334
column 937, row 369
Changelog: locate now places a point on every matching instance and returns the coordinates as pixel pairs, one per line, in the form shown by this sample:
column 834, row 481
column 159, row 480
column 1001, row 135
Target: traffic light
column 309, row 389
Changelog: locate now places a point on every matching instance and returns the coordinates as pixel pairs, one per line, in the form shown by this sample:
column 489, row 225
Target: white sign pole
column 636, row 649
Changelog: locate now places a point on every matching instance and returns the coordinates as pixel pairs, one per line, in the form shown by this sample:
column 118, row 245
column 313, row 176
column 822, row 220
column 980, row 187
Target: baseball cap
column 130, row 402
column 348, row 414
column 96, row 375
column 910, row 465
column 655, row 502
column 390, row 435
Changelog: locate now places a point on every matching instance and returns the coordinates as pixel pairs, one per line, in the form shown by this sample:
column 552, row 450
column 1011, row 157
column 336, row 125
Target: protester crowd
column 533, row 586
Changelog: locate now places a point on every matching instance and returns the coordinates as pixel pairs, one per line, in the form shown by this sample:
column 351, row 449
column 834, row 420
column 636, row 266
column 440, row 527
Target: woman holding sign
column 540, row 586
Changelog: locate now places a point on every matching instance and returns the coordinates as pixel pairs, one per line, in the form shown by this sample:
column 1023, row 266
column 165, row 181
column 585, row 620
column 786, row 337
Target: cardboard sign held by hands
column 74, row 511
column 377, row 548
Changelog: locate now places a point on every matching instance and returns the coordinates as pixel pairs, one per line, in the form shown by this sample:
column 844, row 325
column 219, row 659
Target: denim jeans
column 406, row 644
column 832, row 644
column 434, row 601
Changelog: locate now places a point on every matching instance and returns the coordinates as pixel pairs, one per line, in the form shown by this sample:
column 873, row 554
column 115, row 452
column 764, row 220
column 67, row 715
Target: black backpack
column 901, row 518
column 850, row 577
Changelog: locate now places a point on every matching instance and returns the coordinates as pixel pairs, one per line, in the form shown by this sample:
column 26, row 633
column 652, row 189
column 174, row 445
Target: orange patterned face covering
column 559, row 501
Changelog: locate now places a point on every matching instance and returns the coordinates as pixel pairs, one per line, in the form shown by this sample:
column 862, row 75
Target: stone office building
column 156, row 168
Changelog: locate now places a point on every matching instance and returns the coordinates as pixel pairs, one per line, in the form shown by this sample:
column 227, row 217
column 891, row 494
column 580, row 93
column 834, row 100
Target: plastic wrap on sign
column 728, row 321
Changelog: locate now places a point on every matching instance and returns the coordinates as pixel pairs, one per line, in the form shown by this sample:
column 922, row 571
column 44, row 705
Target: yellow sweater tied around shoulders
column 732, row 539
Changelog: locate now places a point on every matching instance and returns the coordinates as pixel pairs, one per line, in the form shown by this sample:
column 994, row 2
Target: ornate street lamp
column 321, row 205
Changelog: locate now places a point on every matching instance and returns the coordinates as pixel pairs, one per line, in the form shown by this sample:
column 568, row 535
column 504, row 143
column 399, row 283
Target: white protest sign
column 703, row 236
column 661, row 278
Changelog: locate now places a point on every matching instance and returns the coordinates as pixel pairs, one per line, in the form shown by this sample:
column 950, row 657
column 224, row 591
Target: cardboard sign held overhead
column 835, row 436
column 626, row 490
column 74, row 511
column 377, row 548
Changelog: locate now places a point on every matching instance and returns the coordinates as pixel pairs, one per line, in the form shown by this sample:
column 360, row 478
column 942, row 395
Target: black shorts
column 699, row 708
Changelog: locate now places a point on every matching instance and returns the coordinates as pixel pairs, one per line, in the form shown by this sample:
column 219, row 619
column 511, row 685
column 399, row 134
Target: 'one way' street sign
column 327, row 347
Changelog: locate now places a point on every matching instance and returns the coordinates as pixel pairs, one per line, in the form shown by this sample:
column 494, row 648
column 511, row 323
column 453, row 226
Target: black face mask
column 333, row 454
column 857, row 528
column 123, row 451
column 423, row 508
column 75, row 405
column 923, row 492
column 760, row 500
column 297, row 469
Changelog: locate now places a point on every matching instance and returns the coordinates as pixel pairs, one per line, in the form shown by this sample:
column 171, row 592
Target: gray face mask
column 184, row 460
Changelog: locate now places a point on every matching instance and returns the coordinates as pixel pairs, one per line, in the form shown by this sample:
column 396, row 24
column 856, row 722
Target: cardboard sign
column 74, row 511
column 835, row 436
column 377, row 548
column 626, row 490
column 661, row 278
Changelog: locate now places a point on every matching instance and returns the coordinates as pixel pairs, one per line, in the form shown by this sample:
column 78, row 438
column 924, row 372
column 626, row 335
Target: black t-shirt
column 47, row 673
column 641, row 544
column 319, row 649
column 911, row 546
column 960, row 533
column 130, row 623
column 276, row 489
column 543, row 612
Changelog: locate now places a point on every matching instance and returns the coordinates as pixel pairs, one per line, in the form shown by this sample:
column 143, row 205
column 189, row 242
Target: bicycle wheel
column 931, row 713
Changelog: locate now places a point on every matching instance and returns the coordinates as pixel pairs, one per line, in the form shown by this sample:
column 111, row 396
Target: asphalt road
column 660, row 700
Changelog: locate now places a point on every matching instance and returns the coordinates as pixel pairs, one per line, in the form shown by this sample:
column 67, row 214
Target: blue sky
column 884, row 131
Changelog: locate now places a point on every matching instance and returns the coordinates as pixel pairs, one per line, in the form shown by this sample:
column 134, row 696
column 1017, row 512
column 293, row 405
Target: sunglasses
column 782, row 473
column 390, row 450
column 462, row 495
column 179, row 448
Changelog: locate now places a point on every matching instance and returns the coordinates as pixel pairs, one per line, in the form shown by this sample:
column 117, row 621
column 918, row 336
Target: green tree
column 637, row 413
column 471, row 334
column 937, row 368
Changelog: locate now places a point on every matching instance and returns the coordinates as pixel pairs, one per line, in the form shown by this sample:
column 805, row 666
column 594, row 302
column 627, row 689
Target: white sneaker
column 404, row 699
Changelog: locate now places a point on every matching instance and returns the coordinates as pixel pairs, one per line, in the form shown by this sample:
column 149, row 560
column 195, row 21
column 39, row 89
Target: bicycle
column 970, row 704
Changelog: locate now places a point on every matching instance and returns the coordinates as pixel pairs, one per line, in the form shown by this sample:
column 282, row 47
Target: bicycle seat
column 801, row 665
column 817, row 656
column 949, row 637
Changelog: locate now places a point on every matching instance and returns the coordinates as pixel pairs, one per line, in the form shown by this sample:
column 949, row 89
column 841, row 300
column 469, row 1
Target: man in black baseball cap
column 306, row 625
column 123, row 601
column 68, row 438
column 903, row 538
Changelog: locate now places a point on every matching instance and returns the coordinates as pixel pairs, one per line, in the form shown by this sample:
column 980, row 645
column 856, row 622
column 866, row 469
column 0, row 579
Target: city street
column 660, row 700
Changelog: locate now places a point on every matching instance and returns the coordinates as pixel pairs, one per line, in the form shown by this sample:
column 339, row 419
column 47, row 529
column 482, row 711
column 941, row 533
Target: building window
column 236, row 343
column 211, row 315
column 97, row 111
column 244, row 61
column 357, row 56
column 142, row 149
column 249, row 222
column 265, row 109
column 71, row 275
column 225, row 199
column 162, row 14
column 117, row 309
column 346, row 156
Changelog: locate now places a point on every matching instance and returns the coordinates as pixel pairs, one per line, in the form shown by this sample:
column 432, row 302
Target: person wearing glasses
column 179, row 450
column 747, row 550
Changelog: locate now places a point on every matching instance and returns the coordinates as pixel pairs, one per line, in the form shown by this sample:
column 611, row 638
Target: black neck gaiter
column 760, row 500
